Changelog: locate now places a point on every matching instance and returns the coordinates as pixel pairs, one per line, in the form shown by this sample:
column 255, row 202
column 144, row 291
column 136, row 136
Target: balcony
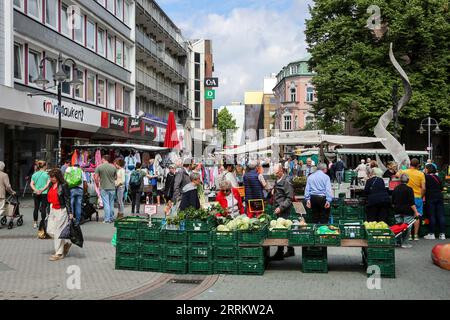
column 170, row 66
column 153, row 18
column 159, row 91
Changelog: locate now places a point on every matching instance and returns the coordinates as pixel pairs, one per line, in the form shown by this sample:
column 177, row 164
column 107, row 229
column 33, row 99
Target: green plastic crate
column 150, row 264
column 149, row 235
column 199, row 237
column 387, row 269
column 205, row 252
column 225, row 252
column 253, row 237
column 352, row 212
column 174, row 236
column 278, row 234
column 251, row 252
column 131, row 223
column 127, row 234
column 173, row 251
column 226, row 267
column 380, row 238
column 201, row 267
column 257, row 267
column 380, row 254
column 227, row 238
column 127, row 248
column 151, row 249
column 314, row 265
column 314, row 252
column 175, row 266
column 352, row 229
column 127, row 263
column 200, row 225
column 327, row 240
column 302, row 235
column 336, row 213
column 157, row 222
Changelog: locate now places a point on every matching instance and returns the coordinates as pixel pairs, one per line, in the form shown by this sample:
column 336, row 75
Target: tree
column 226, row 124
column 354, row 75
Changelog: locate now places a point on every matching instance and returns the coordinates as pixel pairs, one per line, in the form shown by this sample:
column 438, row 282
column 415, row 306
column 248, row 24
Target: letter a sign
column 211, row 82
column 210, row 94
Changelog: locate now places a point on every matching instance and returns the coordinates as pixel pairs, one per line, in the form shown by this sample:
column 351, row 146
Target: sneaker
column 430, row 236
column 35, row 225
column 416, row 238
column 442, row 236
column 56, row 257
column 406, row 246
column 410, row 238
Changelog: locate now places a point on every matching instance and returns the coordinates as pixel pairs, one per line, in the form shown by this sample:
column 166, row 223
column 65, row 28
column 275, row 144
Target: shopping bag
column 65, row 234
column 76, row 236
column 114, row 239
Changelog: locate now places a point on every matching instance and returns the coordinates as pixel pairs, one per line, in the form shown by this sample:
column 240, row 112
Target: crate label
column 150, row 210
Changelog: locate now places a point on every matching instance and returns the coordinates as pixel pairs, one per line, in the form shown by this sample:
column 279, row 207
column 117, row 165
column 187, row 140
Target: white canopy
column 377, row 151
column 123, row 146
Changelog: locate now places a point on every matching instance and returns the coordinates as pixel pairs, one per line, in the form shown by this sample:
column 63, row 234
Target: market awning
column 376, row 151
column 123, row 146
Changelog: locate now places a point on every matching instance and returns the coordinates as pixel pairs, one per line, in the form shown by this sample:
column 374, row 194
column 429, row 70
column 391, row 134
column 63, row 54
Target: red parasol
column 171, row 140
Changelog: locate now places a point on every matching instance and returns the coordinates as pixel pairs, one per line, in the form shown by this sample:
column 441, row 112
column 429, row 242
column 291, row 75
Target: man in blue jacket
column 253, row 187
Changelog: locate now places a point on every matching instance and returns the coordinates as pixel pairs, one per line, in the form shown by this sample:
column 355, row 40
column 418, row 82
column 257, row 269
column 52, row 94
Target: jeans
column 76, row 198
column 40, row 204
column 436, row 212
column 340, row 176
column 135, row 201
column 108, row 204
column 120, row 198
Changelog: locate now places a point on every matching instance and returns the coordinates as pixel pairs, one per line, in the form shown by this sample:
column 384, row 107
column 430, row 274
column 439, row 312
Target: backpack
column 74, row 177
column 135, row 180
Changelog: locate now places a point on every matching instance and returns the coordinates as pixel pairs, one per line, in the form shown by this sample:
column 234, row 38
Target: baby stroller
column 12, row 212
column 401, row 231
column 88, row 209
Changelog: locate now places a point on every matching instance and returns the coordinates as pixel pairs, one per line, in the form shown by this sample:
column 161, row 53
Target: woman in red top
column 230, row 199
column 60, row 212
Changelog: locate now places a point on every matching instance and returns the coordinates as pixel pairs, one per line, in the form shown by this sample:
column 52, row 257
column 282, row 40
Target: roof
column 377, row 151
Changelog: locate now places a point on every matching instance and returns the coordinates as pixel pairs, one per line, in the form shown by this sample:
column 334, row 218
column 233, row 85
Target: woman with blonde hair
column 40, row 181
column 120, row 186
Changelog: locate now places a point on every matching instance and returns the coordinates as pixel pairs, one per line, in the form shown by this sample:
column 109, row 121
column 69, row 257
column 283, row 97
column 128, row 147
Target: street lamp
column 60, row 77
column 431, row 122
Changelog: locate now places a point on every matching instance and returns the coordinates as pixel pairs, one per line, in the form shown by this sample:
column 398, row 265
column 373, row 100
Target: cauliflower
column 281, row 220
column 273, row 223
column 288, row 223
column 222, row 228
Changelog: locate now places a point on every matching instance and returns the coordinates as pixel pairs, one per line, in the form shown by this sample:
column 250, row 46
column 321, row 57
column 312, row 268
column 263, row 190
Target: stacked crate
column 380, row 252
column 302, row 235
column 327, row 240
column 200, row 252
column 352, row 229
column 253, row 257
column 150, row 249
column 336, row 210
column 314, row 260
column 226, row 253
column 353, row 210
column 174, row 251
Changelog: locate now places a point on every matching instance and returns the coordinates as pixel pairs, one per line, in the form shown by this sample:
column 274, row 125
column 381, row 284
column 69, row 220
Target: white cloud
column 250, row 43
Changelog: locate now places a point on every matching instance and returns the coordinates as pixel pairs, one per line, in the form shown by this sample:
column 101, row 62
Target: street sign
column 210, row 94
column 211, row 82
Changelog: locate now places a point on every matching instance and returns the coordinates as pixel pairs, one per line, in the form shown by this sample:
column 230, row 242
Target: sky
column 250, row 38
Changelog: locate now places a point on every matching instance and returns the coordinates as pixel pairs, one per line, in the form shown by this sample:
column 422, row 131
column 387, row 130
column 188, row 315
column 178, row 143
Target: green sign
column 210, row 94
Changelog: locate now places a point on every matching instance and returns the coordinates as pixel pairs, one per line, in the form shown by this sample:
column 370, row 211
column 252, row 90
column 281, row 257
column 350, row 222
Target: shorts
column 419, row 205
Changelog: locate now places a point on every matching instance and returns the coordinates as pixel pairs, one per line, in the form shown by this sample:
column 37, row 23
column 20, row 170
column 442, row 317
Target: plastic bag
column 76, row 236
column 65, row 234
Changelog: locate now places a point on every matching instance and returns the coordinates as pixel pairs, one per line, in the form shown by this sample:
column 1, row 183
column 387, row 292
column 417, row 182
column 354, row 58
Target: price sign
column 150, row 210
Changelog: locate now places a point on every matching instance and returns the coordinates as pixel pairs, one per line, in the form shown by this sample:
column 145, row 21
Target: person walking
column 253, row 186
column 283, row 193
column 5, row 187
column 434, row 201
column 182, row 178
column 105, row 179
column 189, row 197
column 40, row 182
column 136, row 187
column 120, row 187
column 230, row 200
column 361, row 172
column 76, row 182
column 404, row 207
column 318, row 195
column 418, row 184
column 153, row 182
column 60, row 213
column 339, row 169
column 378, row 201
column 169, row 183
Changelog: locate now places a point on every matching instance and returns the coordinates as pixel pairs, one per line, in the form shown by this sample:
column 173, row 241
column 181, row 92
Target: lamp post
column 430, row 122
column 59, row 77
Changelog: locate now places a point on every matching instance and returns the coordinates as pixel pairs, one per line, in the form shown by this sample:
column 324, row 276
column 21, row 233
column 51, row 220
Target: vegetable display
column 280, row 223
column 328, row 230
column 375, row 225
column 243, row 223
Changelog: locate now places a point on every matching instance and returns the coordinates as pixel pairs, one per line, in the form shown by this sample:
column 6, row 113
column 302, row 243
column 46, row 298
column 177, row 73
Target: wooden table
column 349, row 243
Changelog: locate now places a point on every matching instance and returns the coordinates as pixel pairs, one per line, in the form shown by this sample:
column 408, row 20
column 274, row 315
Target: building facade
column 295, row 95
column 254, row 115
column 270, row 105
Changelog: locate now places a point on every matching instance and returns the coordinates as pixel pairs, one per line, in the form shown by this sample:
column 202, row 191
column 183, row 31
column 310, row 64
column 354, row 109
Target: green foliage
column 354, row 75
column 226, row 122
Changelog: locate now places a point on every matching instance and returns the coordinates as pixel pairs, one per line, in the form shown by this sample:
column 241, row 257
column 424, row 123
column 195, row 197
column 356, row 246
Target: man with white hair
column 253, row 187
column 318, row 194
column 5, row 187
column 309, row 168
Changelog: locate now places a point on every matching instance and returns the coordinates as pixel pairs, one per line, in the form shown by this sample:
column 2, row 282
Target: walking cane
column 25, row 189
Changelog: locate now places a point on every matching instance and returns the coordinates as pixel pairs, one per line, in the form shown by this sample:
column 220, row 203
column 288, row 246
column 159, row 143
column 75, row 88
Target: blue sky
column 251, row 39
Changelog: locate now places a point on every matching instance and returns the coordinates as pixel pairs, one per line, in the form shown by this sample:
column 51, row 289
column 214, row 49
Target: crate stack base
column 253, row 260
column 200, row 252
column 226, row 252
column 174, row 252
column 380, row 253
column 314, row 260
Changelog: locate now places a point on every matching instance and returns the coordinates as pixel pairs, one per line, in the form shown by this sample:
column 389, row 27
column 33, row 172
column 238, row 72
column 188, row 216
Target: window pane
column 110, row 5
column 18, row 61
column 197, row 95
column 50, row 70
column 79, row 90
column 101, row 42
column 119, row 52
column 197, row 71
column 90, row 87
column 197, row 110
column 197, row 85
column 79, row 23
column 119, row 9
column 90, row 35
column 119, row 98
column 126, row 57
column 110, row 48
column 111, row 96
column 127, row 101
column 126, row 17
column 18, row 3
column 66, row 88
column 65, row 20
column 101, row 92
column 197, row 57
column 33, row 66
column 51, row 12
column 34, row 8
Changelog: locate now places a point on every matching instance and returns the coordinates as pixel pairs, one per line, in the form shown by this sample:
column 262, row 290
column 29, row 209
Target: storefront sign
column 74, row 113
column 210, row 94
column 116, row 122
column 135, row 126
column 211, row 82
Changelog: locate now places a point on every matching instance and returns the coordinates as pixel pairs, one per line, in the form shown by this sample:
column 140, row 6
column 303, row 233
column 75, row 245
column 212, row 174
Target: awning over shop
column 380, row 152
column 123, row 146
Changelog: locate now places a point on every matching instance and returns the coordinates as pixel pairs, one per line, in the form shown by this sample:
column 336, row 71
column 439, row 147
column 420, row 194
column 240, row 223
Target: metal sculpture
column 394, row 147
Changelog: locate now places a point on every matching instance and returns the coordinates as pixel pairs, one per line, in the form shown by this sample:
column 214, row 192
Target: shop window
column 110, row 45
column 78, row 34
column 18, row 61
column 119, row 52
column 34, row 59
column 34, row 8
column 79, row 90
column 66, row 87
column 90, row 34
column 65, row 20
column 90, row 95
column 101, row 42
column 101, row 92
column 111, row 95
column 51, row 13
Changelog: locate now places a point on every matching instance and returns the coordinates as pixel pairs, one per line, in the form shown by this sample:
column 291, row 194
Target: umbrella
column 171, row 140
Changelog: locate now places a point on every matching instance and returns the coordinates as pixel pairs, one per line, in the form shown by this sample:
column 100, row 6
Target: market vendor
column 190, row 197
column 230, row 199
